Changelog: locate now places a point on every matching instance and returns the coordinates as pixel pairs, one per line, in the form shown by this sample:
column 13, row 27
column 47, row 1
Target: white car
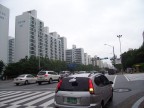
column 47, row 76
column 25, row 79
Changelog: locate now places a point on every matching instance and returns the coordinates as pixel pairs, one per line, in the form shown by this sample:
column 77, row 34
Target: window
column 80, row 84
column 98, row 81
column 104, row 80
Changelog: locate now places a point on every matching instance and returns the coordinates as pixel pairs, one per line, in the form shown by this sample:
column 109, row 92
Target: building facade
column 4, row 30
column 64, row 47
column 75, row 55
column 11, row 50
column 85, row 58
column 29, row 36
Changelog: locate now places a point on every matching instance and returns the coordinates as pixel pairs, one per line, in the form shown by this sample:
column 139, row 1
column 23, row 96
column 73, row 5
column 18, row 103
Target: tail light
column 58, row 86
column 46, row 75
column 91, row 88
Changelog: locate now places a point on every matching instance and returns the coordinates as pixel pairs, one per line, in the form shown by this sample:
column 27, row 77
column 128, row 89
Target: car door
column 106, row 87
column 32, row 78
column 28, row 77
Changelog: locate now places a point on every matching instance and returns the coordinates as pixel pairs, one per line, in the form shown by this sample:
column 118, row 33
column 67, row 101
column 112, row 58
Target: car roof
column 85, row 75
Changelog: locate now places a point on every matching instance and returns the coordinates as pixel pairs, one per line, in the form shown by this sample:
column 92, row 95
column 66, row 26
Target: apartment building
column 55, row 46
column 85, row 58
column 11, row 49
column 75, row 55
column 4, row 29
column 29, row 35
column 89, row 59
column 64, row 47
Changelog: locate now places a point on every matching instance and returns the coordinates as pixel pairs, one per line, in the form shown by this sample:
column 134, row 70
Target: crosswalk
column 26, row 99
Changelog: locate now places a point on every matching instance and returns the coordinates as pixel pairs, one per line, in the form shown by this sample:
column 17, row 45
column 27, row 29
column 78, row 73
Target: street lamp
column 119, row 36
column 113, row 52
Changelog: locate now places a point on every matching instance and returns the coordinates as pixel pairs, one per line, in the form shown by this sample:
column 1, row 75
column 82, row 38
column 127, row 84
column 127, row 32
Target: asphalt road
column 128, row 89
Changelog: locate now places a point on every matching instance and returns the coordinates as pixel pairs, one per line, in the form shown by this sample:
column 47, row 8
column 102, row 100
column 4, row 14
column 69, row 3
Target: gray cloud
column 88, row 23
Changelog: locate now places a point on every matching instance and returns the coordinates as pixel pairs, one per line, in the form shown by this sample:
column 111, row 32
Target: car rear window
column 81, row 84
column 41, row 73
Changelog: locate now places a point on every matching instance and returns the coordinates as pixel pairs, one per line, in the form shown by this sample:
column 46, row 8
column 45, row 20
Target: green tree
column 1, row 66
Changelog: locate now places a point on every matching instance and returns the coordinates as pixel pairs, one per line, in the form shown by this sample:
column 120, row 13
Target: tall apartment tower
column 85, row 58
column 4, row 29
column 64, row 47
column 75, row 55
column 11, row 50
column 29, row 35
column 55, row 46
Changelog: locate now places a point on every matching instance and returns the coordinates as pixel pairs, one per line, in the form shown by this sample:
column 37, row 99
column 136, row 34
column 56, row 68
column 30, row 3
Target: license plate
column 71, row 100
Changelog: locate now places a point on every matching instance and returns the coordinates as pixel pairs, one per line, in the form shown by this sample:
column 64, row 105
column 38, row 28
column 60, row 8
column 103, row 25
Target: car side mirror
column 110, row 82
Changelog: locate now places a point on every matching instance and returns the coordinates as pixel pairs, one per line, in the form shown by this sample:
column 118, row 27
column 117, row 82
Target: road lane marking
column 9, row 93
column 30, row 98
column 14, row 106
column 137, row 104
column 127, row 78
column 13, row 96
column 47, row 103
column 40, row 99
column 18, row 98
column 114, row 81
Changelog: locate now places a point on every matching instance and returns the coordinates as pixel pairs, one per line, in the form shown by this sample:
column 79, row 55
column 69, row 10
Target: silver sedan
column 25, row 79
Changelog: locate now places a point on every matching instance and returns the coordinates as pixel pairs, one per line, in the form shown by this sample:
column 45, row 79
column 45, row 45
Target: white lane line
column 18, row 98
column 137, row 104
column 14, row 106
column 30, row 98
column 14, row 95
column 47, row 103
column 40, row 99
column 32, row 107
column 127, row 78
column 7, row 93
column 114, row 81
column 2, row 105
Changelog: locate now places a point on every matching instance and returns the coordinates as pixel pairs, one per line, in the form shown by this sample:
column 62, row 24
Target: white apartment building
column 29, row 35
column 64, row 47
column 75, row 55
column 85, row 58
column 11, row 50
column 89, row 59
column 55, row 46
column 4, row 30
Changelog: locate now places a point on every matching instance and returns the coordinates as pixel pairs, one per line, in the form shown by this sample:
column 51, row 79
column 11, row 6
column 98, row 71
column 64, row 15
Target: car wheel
column 17, row 84
column 50, row 81
column 102, row 105
column 39, row 83
column 26, row 82
column 111, row 98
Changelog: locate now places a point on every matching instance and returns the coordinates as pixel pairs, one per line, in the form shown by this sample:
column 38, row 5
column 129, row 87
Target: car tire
column 17, row 84
column 26, row 82
column 39, row 83
column 50, row 81
column 111, row 98
column 102, row 105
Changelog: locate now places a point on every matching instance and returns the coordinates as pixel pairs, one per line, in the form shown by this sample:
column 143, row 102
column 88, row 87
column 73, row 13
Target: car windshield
column 80, row 84
column 21, row 76
column 41, row 73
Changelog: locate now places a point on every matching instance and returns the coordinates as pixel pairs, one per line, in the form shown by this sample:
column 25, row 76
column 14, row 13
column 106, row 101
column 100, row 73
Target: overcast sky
column 88, row 24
